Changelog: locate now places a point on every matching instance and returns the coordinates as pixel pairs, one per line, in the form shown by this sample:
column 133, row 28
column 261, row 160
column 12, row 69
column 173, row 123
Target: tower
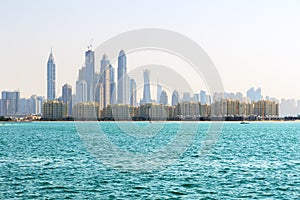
column 158, row 92
column 51, row 77
column 175, row 98
column 122, row 79
column 132, row 93
column 67, row 97
column 90, row 73
column 163, row 98
column 146, row 92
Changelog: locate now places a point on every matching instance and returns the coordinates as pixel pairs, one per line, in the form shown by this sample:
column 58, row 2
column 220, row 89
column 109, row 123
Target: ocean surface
column 142, row 160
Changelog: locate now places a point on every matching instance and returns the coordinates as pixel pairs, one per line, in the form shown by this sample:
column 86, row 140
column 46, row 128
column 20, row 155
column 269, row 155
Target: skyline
column 246, row 44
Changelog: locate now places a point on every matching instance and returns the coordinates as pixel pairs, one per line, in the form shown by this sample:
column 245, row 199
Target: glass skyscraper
column 51, row 77
column 89, row 74
column 123, row 89
column 146, row 92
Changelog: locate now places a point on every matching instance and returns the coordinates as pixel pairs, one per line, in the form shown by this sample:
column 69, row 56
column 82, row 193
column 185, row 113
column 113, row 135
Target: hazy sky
column 252, row 43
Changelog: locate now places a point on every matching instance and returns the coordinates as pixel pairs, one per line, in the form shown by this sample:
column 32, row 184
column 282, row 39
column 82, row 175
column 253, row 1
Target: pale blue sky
column 252, row 43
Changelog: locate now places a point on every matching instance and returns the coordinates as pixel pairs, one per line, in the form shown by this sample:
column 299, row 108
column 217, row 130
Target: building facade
column 51, row 77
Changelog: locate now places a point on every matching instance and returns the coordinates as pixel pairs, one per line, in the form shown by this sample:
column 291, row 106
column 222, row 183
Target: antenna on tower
column 91, row 44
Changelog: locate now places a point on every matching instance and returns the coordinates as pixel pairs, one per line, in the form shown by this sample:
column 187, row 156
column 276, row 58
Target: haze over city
column 251, row 43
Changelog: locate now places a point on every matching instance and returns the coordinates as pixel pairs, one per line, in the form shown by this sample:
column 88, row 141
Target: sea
column 149, row 160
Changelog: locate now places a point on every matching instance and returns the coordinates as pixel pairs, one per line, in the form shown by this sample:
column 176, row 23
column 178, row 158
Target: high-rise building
column 196, row 98
column 122, row 79
column 107, row 80
column 112, row 85
column 254, row 95
column 67, row 97
column 104, row 63
column 163, row 98
column 89, row 74
column 106, row 86
column 132, row 93
column 158, row 92
column 81, row 91
column 186, row 97
column 10, row 103
column 146, row 92
column 175, row 98
column 51, row 77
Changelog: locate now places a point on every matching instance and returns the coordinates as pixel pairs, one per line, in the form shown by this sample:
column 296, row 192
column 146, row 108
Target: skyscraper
column 203, row 97
column 254, row 95
column 104, row 63
column 10, row 103
column 122, row 79
column 113, row 91
column 89, row 75
column 132, row 93
column 163, row 98
column 146, row 92
column 51, row 77
column 81, row 91
column 67, row 97
column 175, row 98
column 107, row 81
column 158, row 92
column 106, row 86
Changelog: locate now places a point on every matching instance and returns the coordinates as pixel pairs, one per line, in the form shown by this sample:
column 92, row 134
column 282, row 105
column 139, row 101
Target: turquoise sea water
column 50, row 160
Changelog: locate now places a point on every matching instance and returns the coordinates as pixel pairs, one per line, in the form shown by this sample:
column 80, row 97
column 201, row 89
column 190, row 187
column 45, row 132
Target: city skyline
column 101, row 92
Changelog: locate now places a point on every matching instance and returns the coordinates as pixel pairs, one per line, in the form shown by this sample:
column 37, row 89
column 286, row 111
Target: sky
column 252, row 43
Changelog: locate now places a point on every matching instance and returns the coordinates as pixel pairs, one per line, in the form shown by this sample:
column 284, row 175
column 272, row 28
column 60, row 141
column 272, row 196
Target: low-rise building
column 54, row 110
column 86, row 111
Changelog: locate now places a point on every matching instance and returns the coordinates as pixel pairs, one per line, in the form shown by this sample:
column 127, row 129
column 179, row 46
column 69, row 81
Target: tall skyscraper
column 163, row 98
column 146, row 92
column 67, row 97
column 51, row 77
column 175, row 98
column 107, row 80
column 104, row 63
column 203, row 97
column 122, row 79
column 89, row 75
column 158, row 92
column 106, row 86
column 254, row 95
column 81, row 91
column 186, row 97
column 113, row 92
column 132, row 93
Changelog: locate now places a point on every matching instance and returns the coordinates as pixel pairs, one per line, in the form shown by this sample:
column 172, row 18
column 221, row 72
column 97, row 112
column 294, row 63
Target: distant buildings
column 254, row 95
column 146, row 91
column 163, row 98
column 98, row 98
column 51, row 77
column 54, row 110
column 67, row 97
column 289, row 107
column 10, row 103
column 202, row 97
column 175, row 98
column 81, row 91
column 158, row 92
column 86, row 111
column 132, row 93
